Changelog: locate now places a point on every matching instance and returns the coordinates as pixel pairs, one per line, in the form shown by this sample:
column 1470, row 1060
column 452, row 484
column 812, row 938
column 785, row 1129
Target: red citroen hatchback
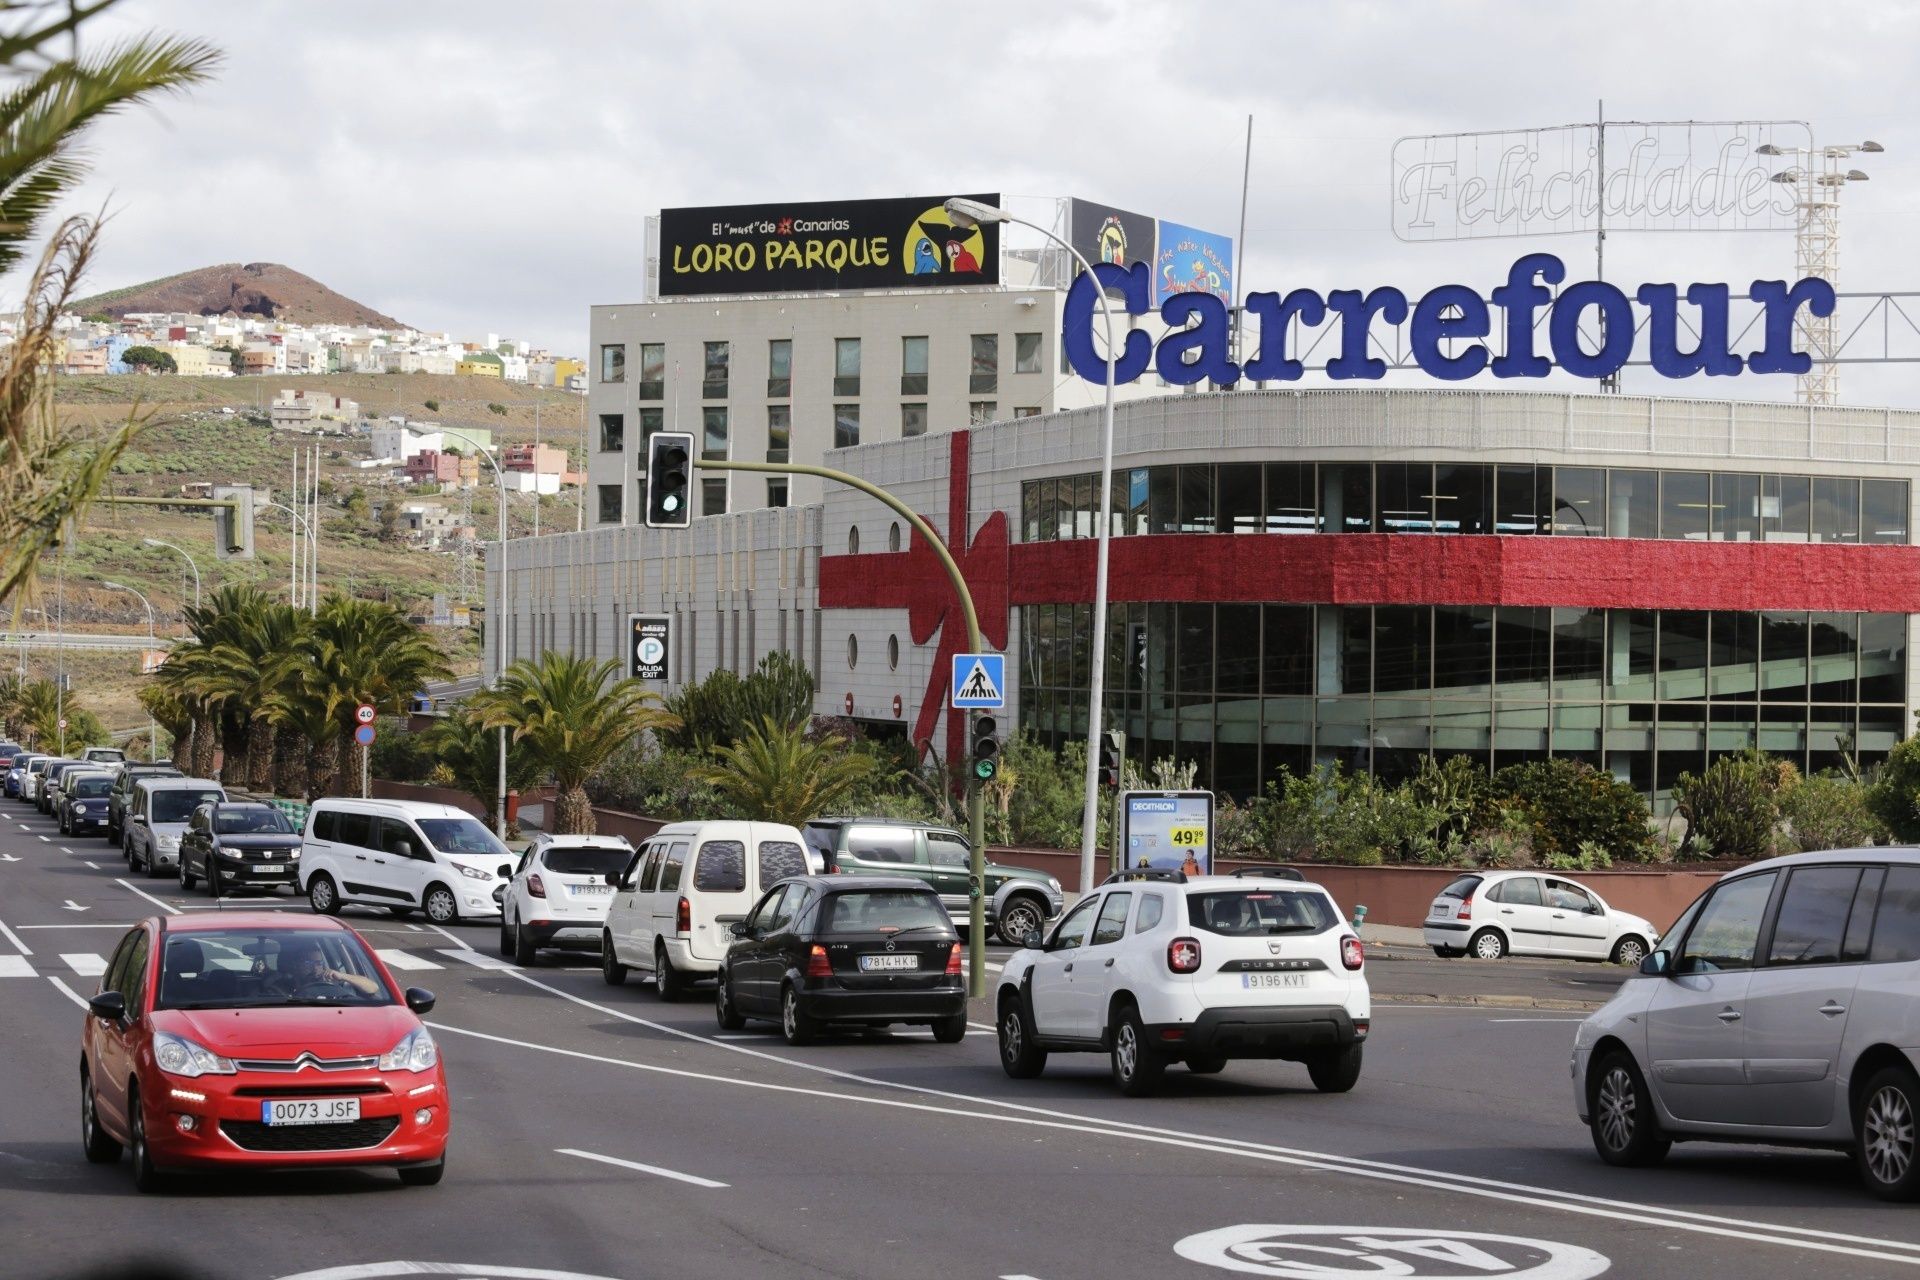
column 259, row 1040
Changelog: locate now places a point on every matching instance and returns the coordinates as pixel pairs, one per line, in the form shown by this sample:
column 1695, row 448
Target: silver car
column 1782, row 1007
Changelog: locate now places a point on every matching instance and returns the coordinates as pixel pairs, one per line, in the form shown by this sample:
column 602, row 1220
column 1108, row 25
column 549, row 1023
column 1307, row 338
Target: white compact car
column 1490, row 914
column 403, row 855
column 1156, row 967
column 559, row 893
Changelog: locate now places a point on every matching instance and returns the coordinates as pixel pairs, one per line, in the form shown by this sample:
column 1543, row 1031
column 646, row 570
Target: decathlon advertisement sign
column 825, row 245
column 1167, row 831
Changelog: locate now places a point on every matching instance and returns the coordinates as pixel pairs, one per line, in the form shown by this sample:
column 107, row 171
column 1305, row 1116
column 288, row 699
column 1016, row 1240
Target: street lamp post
column 499, row 625
column 155, row 542
column 153, row 732
column 966, row 213
column 293, row 582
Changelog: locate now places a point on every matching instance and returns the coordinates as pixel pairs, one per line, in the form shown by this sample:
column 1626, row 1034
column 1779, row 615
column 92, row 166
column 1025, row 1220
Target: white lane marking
column 416, row 928
column 77, row 924
column 71, row 905
column 1573, row 1020
column 133, row 888
column 656, row 1170
column 397, row 959
column 15, row 967
column 455, row 939
column 1466, row 1183
column 232, row 904
column 395, row 1270
column 478, row 959
column 85, row 964
column 69, row 992
column 94, row 865
column 981, row 1026
column 1582, row 1206
column 44, row 840
column 740, row 1035
column 64, row 849
column 14, row 938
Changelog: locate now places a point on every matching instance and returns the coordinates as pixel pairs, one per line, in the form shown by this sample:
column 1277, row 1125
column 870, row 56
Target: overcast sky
column 486, row 166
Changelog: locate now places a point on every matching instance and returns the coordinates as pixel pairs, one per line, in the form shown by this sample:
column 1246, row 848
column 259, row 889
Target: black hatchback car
column 239, row 845
column 867, row 950
column 83, row 801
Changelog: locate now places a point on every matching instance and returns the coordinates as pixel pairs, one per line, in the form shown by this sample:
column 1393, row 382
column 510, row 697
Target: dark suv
column 1018, row 900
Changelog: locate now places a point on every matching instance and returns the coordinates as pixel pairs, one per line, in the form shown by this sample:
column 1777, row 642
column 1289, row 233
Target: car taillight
column 953, row 961
column 1466, row 910
column 1352, row 953
column 534, row 886
column 1183, row 955
column 818, row 966
column 683, row 918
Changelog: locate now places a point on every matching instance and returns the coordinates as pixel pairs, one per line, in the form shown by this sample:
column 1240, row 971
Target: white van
column 673, row 905
column 402, row 855
column 157, row 813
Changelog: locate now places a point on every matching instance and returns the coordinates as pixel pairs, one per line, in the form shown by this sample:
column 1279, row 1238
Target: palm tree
column 776, row 773
column 36, row 709
column 574, row 714
column 11, row 686
column 240, row 672
column 367, row 651
column 471, row 753
column 170, row 713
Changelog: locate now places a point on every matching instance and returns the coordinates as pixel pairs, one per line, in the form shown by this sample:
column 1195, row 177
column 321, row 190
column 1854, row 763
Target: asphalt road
column 601, row 1133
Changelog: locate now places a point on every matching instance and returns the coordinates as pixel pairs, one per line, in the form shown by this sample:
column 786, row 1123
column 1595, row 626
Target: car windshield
column 588, row 860
column 177, row 805
column 885, row 911
column 97, row 785
column 461, row 835
column 261, row 968
column 1248, row 913
column 240, row 822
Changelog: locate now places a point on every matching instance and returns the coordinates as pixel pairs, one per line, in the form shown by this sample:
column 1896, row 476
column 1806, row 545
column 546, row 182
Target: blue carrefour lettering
column 1076, row 322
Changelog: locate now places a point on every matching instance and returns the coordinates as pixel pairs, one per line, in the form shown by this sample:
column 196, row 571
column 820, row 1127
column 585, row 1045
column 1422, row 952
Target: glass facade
column 1456, row 497
column 1245, row 689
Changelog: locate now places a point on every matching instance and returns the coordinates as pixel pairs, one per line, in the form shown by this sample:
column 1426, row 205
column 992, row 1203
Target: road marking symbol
column 7, row 857
column 125, row 884
column 15, row 967
column 656, row 1170
column 1303, row 1253
column 85, row 964
column 71, row 905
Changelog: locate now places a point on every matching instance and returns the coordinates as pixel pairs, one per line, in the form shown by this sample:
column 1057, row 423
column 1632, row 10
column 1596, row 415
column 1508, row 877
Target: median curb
column 1490, row 1002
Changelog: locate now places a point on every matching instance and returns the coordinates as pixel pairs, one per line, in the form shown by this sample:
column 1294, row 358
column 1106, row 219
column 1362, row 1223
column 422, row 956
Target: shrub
column 1334, row 816
column 397, row 755
column 1830, row 811
column 716, row 711
column 661, row 783
column 1507, row 842
column 1894, row 796
column 433, row 406
column 494, row 407
column 1570, row 802
column 1732, row 810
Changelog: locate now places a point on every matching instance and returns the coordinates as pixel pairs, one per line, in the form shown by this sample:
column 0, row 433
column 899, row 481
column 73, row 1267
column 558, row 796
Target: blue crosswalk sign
column 979, row 681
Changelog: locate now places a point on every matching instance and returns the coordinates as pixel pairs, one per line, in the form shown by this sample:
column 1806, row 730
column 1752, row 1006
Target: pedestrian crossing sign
column 979, row 681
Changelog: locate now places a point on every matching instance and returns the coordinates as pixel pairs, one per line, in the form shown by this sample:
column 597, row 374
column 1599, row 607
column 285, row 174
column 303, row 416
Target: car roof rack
column 1272, row 869
column 1147, row 873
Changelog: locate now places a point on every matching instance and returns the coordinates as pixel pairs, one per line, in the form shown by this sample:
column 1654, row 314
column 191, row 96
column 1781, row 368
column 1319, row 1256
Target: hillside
column 264, row 289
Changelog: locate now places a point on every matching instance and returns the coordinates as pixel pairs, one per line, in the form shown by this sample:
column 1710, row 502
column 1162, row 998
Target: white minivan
column 674, row 905
column 403, row 855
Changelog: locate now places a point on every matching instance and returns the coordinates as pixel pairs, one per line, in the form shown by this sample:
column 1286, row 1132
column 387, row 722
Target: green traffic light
column 670, row 503
column 985, row 769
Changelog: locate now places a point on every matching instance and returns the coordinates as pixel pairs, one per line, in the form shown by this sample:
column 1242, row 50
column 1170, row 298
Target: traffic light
column 1113, row 748
column 669, row 480
column 986, row 749
column 233, row 525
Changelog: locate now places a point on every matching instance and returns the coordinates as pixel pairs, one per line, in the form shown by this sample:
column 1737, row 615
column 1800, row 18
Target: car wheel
column 1630, row 950
column 1884, row 1122
column 187, row 878
column 526, row 952
column 1207, row 1064
column 424, row 1175
column 1625, row 1130
column 322, row 896
column 1020, row 1056
column 154, row 871
column 100, row 1148
column 951, row 1030
column 1487, row 945
column 724, row 1011
column 146, row 1178
column 440, row 904
column 796, row 1028
column 668, row 982
column 1022, row 916
column 1335, row 1070
column 1137, row 1065
column 612, row 972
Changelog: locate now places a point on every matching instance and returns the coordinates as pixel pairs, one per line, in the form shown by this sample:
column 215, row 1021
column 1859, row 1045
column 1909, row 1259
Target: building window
column 979, row 411
column 913, row 366
column 714, row 426
column 651, row 421
column 846, row 426
column 1685, row 499
column 913, row 420
column 893, row 536
column 653, row 371
column 1836, row 509
column 609, row 504
column 1579, row 502
column 779, row 368
column 853, row 539
column 984, row 374
column 613, row 362
column 853, row 651
column 846, row 366
column 1883, row 511
column 1026, row 353
column 713, row 379
column 779, row 432
column 713, row 497
column 893, row 653
column 613, row 432
column 777, row 492
column 1026, row 411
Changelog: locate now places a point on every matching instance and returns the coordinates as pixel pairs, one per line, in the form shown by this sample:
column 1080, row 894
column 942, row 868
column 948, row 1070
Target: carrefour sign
column 1445, row 321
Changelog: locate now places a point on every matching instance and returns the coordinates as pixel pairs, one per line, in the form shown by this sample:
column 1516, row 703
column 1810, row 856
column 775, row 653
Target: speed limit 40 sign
column 364, row 713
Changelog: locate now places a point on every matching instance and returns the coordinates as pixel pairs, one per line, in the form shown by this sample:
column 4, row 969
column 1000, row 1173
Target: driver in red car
column 302, row 965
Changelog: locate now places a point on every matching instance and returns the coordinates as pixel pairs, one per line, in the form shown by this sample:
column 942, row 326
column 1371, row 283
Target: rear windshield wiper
column 912, row 928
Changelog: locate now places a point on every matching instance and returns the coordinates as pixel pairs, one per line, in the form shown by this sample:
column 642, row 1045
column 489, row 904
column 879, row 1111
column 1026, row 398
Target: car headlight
column 80, row 808
column 179, row 1056
column 1053, row 884
column 416, row 1052
column 167, row 842
column 473, row 874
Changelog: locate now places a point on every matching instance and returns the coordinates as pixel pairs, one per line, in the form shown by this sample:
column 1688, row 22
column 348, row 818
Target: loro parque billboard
column 901, row 243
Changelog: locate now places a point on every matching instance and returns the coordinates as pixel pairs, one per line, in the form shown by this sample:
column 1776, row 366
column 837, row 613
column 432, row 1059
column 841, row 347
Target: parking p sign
column 649, row 644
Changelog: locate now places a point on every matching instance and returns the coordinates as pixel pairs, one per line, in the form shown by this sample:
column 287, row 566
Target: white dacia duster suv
column 1156, row 967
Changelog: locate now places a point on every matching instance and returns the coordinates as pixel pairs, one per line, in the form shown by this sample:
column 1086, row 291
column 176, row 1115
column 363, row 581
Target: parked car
column 83, row 800
column 8, row 750
column 17, row 773
column 681, row 891
column 122, row 791
column 50, row 784
column 1158, row 967
column 865, row 950
column 1780, row 1008
column 403, row 855
column 157, row 818
column 1018, row 899
column 239, row 845
column 103, row 755
column 1490, row 914
column 193, row 1053
column 559, row 893
column 36, row 773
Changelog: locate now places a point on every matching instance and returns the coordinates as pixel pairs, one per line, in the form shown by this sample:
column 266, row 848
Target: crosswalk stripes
column 398, row 959
column 85, row 964
column 15, row 967
column 478, row 959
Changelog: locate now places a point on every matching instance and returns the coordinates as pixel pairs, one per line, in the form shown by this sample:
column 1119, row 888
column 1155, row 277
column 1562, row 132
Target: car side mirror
column 110, row 1005
column 403, row 848
column 612, row 878
column 420, row 1000
column 1658, row 964
column 740, row 929
column 1034, row 940
column 505, row 871
column 139, row 820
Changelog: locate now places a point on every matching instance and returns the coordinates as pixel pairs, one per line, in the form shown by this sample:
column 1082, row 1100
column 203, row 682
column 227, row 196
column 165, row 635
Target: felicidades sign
column 903, row 243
